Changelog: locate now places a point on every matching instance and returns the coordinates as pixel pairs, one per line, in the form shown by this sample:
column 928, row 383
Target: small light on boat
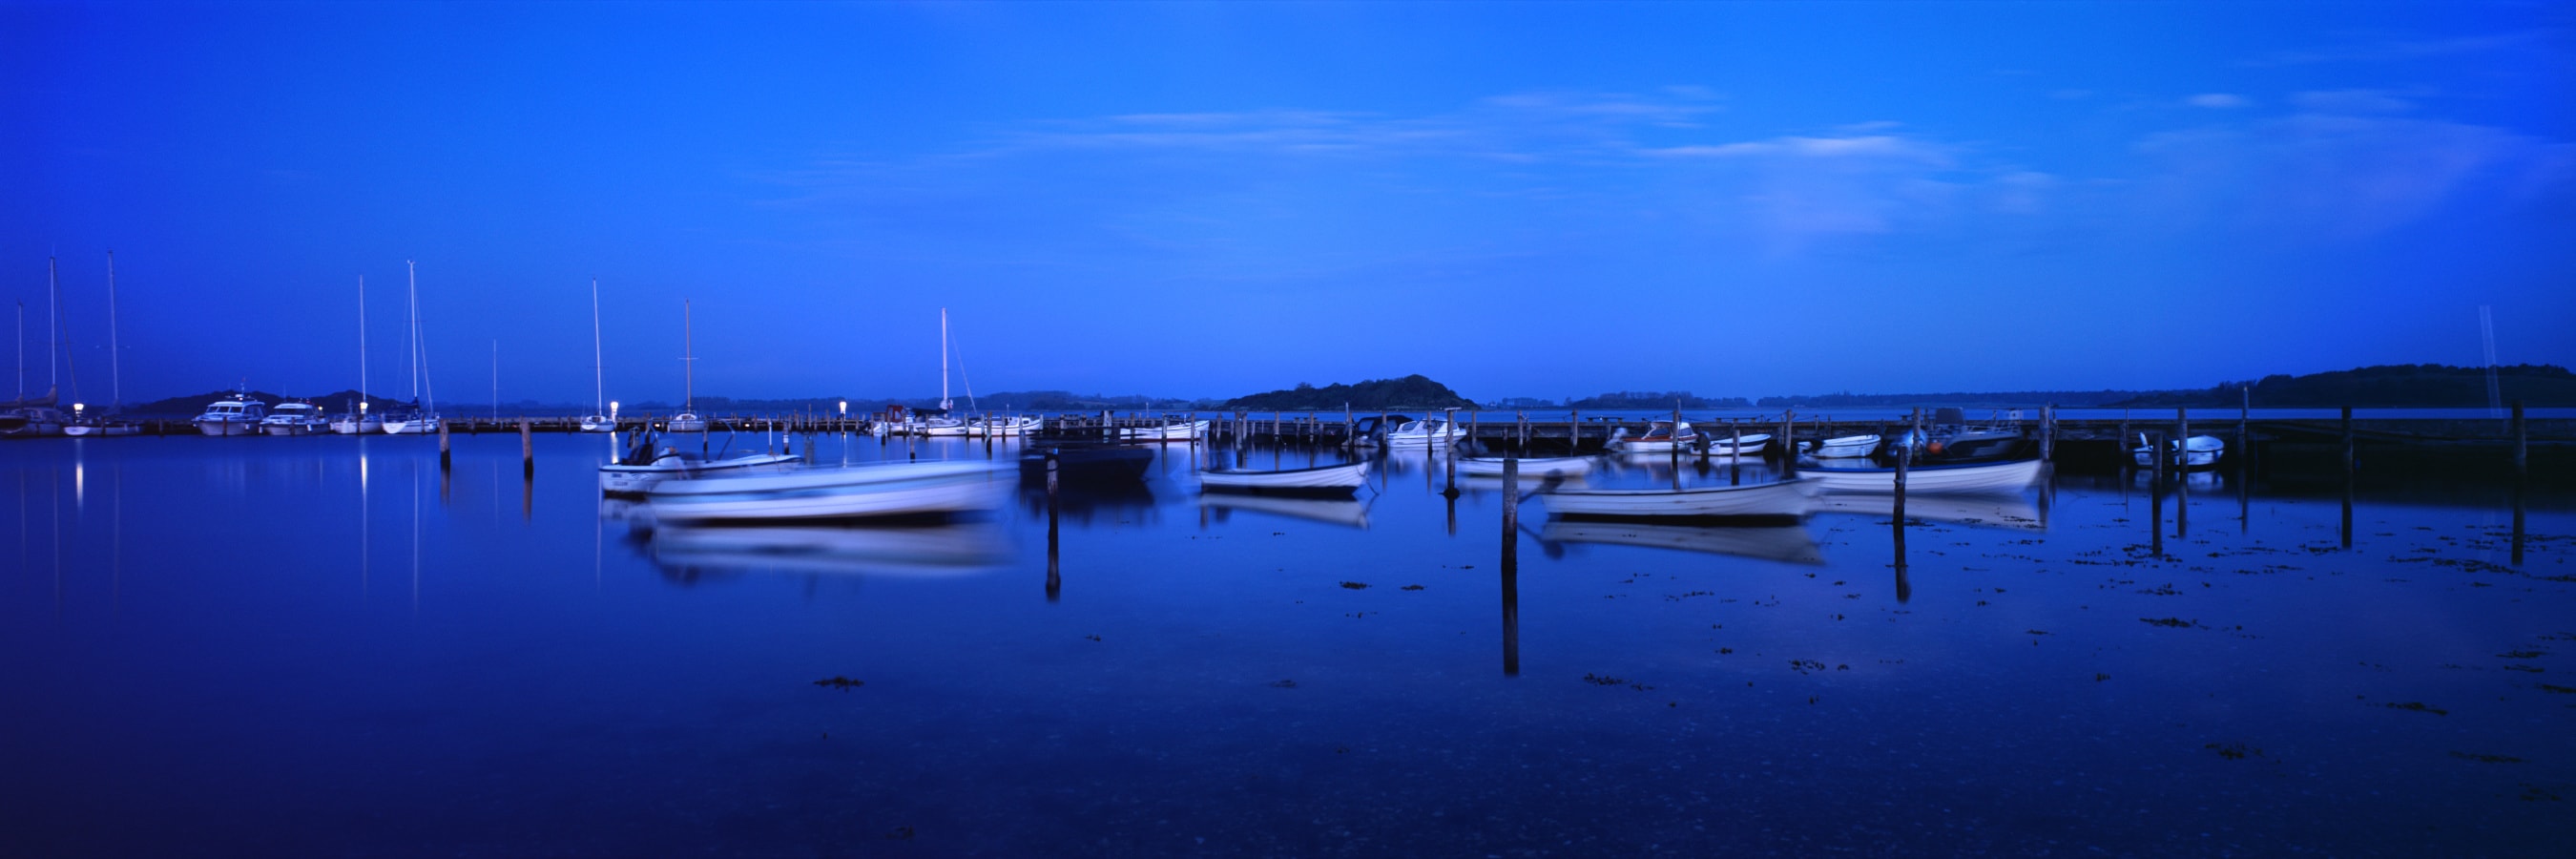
column 845, row 408
column 77, row 407
column 362, row 407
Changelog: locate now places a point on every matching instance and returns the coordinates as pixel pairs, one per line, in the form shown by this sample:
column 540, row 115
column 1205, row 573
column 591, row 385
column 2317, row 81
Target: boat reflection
column 1785, row 543
column 1995, row 511
column 941, row 550
column 1349, row 512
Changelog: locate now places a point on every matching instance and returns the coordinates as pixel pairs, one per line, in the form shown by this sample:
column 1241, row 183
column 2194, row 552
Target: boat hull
column 1345, row 477
column 221, row 428
column 424, row 426
column 358, row 427
column 1847, row 447
column 893, row 489
column 2200, row 451
column 1982, row 478
column 596, row 423
column 1787, row 499
column 639, row 479
column 1751, row 445
column 1561, row 466
column 98, row 430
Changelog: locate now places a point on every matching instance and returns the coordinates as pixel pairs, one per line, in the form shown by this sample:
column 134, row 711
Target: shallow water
column 325, row 647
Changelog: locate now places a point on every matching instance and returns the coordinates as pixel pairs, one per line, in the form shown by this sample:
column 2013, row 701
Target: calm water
column 289, row 647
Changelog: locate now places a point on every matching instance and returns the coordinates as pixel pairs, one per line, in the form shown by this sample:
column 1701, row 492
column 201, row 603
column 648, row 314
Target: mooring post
column 2350, row 465
column 2244, row 435
column 2182, row 471
column 1788, row 453
column 527, row 450
column 1511, row 566
column 1449, row 460
column 443, row 461
column 1735, row 459
column 2048, row 433
column 1904, row 463
column 2521, row 476
column 1574, row 430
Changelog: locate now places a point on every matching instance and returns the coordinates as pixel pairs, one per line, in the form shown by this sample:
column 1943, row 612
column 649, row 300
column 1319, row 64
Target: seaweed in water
column 1355, row 585
column 2234, row 751
column 842, row 683
column 2491, row 759
column 2175, row 622
column 2418, row 706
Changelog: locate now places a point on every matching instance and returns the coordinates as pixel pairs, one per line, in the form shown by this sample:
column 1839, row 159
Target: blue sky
column 1205, row 200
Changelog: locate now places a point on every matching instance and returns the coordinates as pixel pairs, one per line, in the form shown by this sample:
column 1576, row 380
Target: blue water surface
column 331, row 647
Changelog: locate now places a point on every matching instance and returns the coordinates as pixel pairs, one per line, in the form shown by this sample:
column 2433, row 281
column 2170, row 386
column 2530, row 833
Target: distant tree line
column 2390, row 385
column 1968, row 399
column 1657, row 400
column 1410, row 392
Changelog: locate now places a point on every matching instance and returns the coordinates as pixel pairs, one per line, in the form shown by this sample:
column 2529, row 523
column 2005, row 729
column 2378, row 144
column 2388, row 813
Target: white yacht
column 234, row 415
column 295, row 419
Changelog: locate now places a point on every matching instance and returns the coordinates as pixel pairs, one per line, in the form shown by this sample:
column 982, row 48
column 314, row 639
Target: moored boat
column 297, row 418
column 645, row 468
column 1428, row 432
column 1968, row 479
column 234, row 415
column 1847, row 447
column 1728, row 445
column 2200, row 451
column 873, row 490
column 1782, row 499
column 1660, row 437
column 1555, row 466
column 1323, row 479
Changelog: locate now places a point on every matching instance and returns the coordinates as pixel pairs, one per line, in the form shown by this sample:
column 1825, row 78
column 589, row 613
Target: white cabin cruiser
column 1428, row 432
column 234, row 415
column 295, row 419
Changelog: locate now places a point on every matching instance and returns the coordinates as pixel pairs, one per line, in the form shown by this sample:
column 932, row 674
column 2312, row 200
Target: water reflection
column 1990, row 511
column 945, row 549
column 1785, row 543
column 1347, row 512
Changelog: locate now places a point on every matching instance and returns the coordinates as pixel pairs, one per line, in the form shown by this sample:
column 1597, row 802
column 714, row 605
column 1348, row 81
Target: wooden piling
column 2182, row 475
column 2048, row 433
column 1574, row 430
column 1511, row 567
column 527, row 450
column 2350, row 472
column 443, row 461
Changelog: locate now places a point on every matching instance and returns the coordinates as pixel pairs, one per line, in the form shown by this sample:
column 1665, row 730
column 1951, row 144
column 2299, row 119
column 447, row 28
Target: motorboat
column 857, row 491
column 598, row 423
column 1847, row 447
column 234, row 415
column 1555, row 466
column 1961, row 479
column 1343, row 478
column 644, row 468
column 685, row 422
column 1428, row 432
column 356, row 422
column 296, row 418
column 2200, row 451
column 1731, row 446
column 1780, row 499
column 1005, row 427
column 1180, row 431
column 1660, row 437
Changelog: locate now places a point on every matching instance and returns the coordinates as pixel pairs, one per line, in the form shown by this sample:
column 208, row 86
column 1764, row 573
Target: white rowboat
column 1560, row 466
column 1995, row 478
column 1785, row 499
column 1346, row 477
column 877, row 489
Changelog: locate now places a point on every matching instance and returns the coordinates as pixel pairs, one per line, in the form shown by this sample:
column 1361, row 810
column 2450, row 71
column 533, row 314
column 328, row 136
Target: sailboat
column 598, row 419
column 421, row 420
column 943, row 424
column 357, row 420
column 114, row 422
column 687, row 420
column 35, row 417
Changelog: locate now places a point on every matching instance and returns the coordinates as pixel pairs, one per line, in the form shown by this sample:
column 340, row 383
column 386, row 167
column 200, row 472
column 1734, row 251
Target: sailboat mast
column 53, row 322
column 411, row 331
column 22, row 351
column 944, row 403
column 428, row 392
column 688, row 364
column 115, row 365
column 362, row 343
column 598, row 376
